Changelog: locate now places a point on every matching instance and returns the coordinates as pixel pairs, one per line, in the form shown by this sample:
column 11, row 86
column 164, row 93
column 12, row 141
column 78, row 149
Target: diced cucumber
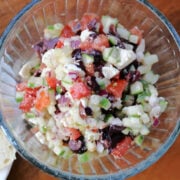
column 142, row 97
column 105, row 103
column 139, row 140
column 143, row 69
column 107, row 21
column 44, row 129
column 151, row 59
column 136, row 88
column 109, row 71
column 53, row 31
column 87, row 59
column 113, row 39
column 163, row 104
column 133, row 110
column 19, row 96
column 152, row 90
column 133, row 39
column 67, row 82
column 141, row 47
column 151, row 77
column 108, row 117
column 144, row 130
column 126, row 131
column 126, row 57
column 132, row 122
column 123, row 32
column 35, row 82
column 128, row 46
column 114, row 57
column 106, row 53
column 128, row 100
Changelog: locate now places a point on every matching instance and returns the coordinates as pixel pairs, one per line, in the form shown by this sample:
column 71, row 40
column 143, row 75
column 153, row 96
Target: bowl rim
column 122, row 174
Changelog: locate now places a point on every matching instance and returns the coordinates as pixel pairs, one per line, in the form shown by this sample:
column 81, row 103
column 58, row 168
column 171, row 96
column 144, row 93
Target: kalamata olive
column 114, row 129
column 76, row 54
column 88, row 111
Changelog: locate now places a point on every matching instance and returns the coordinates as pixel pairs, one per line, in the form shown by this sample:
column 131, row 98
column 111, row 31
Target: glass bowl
column 16, row 49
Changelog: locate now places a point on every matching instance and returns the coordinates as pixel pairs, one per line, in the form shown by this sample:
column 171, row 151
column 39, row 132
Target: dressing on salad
column 91, row 89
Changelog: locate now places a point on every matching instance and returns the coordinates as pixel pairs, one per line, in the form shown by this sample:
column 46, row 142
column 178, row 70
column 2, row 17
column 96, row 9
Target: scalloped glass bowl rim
column 124, row 173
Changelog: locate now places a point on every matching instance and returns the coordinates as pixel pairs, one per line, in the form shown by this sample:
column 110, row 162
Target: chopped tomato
column 116, row 88
column 74, row 133
column 89, row 20
column 59, row 44
column 121, row 147
column 29, row 97
column 27, row 103
column 79, row 90
column 52, row 82
column 100, row 42
column 136, row 31
column 42, row 101
column 67, row 32
column 86, row 45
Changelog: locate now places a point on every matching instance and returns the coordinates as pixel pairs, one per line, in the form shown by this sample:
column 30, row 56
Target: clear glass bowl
column 27, row 28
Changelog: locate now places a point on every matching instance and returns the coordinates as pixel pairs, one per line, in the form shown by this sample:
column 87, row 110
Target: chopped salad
column 91, row 87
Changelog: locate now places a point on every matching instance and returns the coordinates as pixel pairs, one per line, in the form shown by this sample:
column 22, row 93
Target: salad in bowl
column 90, row 88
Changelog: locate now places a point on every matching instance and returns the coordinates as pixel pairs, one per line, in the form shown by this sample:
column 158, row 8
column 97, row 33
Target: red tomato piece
column 100, row 42
column 59, row 44
column 89, row 20
column 67, row 32
column 86, row 45
column 52, row 82
column 42, row 101
column 136, row 31
column 27, row 103
column 116, row 88
column 74, row 133
column 29, row 97
column 79, row 90
column 121, row 147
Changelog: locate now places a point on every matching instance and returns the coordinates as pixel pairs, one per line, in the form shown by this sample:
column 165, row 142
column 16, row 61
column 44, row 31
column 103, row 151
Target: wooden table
column 167, row 168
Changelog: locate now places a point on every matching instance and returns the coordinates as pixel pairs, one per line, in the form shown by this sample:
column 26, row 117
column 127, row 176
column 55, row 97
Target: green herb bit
column 31, row 85
column 29, row 115
column 19, row 99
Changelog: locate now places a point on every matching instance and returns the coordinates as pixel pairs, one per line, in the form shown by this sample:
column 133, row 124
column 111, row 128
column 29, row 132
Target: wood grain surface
column 167, row 168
